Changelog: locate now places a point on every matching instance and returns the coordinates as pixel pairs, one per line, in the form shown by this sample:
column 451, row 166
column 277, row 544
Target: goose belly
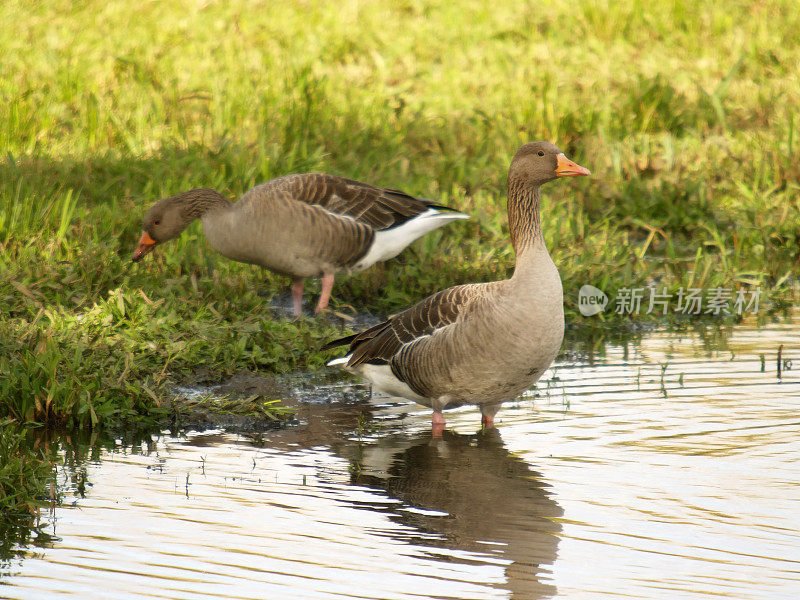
column 488, row 364
column 296, row 250
column 385, row 381
column 490, row 381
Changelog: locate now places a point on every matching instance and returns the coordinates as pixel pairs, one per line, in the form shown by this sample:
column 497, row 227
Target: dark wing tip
column 427, row 202
column 437, row 205
column 340, row 342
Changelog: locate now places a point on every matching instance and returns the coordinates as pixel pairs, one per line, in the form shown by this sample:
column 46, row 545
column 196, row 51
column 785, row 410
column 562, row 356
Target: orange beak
column 146, row 245
column 567, row 168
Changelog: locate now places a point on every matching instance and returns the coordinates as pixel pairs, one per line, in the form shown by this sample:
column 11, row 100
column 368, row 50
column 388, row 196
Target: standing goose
column 309, row 225
column 479, row 343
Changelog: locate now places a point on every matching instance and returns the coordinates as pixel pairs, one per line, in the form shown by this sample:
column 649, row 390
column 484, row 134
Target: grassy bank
column 683, row 111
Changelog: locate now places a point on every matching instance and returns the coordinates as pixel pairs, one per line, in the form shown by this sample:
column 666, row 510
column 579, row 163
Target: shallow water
column 618, row 477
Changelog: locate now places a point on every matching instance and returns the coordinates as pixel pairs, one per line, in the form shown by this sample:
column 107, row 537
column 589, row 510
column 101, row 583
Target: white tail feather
column 388, row 243
column 336, row 362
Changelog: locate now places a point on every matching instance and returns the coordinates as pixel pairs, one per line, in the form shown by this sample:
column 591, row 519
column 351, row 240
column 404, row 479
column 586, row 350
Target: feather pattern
column 381, row 343
column 380, row 208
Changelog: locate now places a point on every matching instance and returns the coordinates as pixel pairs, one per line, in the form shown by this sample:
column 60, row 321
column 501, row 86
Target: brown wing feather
column 377, row 207
column 379, row 344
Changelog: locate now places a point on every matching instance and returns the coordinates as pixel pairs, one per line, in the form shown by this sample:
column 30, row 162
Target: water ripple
column 665, row 470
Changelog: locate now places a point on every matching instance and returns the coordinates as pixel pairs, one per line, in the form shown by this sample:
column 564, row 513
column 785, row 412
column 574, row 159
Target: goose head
column 168, row 217
column 536, row 163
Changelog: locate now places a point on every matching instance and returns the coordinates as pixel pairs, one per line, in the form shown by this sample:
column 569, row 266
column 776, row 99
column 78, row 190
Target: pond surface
column 618, row 477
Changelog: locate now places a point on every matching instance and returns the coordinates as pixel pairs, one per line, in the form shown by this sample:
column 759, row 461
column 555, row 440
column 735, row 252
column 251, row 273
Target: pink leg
column 488, row 411
column 437, row 423
column 325, row 295
column 297, row 297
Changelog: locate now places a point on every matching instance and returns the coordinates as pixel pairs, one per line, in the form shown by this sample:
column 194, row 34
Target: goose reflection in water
column 473, row 495
column 478, row 496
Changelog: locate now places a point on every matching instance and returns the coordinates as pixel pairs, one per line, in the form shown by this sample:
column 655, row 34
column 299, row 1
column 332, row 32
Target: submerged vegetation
column 26, row 476
column 683, row 111
column 37, row 467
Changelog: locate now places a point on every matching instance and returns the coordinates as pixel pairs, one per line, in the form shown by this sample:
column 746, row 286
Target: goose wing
column 380, row 208
column 383, row 343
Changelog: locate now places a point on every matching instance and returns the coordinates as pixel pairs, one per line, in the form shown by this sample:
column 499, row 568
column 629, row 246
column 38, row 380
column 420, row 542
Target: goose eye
column 157, row 222
column 541, row 152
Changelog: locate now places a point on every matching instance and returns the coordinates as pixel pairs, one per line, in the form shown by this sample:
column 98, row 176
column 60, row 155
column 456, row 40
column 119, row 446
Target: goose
column 479, row 343
column 304, row 225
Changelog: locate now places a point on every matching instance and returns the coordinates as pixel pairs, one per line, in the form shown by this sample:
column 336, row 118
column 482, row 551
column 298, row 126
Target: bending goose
column 479, row 343
column 309, row 225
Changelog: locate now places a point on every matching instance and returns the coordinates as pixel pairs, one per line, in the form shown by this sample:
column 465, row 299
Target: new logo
column 591, row 300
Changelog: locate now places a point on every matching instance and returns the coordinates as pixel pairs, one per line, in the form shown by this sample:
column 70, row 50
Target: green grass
column 683, row 112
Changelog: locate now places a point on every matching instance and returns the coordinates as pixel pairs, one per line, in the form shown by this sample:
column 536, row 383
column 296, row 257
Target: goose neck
column 524, row 221
column 201, row 201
